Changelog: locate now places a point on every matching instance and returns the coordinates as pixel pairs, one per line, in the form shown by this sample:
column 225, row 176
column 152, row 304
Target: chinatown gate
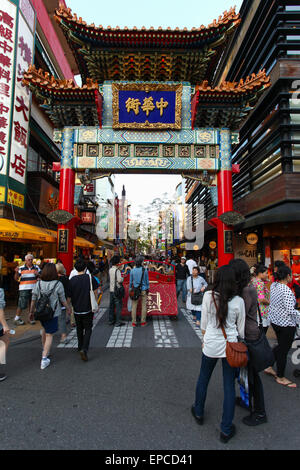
column 146, row 106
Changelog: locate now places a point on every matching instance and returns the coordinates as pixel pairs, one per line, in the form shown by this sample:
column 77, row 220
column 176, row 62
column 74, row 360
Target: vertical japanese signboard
column 22, row 98
column 8, row 25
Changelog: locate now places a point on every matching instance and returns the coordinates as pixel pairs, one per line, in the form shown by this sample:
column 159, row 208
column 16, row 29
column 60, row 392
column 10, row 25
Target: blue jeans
column 181, row 286
column 229, row 374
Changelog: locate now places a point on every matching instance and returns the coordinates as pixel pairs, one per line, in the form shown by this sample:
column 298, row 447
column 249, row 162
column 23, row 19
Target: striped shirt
column 28, row 277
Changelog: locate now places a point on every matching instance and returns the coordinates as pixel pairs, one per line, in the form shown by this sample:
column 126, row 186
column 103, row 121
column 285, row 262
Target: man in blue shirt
column 139, row 276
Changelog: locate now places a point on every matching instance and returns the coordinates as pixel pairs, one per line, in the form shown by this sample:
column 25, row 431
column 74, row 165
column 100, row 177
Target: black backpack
column 44, row 312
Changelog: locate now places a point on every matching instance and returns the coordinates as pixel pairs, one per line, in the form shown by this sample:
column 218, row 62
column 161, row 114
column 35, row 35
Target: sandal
column 288, row 384
column 267, row 372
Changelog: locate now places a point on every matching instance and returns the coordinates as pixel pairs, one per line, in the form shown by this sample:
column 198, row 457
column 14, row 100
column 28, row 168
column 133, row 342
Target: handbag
column 136, row 292
column 94, row 303
column 119, row 291
column 196, row 298
column 236, row 352
column 260, row 351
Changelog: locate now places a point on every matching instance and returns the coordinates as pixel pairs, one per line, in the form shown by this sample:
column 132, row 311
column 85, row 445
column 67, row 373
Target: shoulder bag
column 94, row 303
column 236, row 352
column 136, row 292
column 119, row 291
column 260, row 351
column 197, row 298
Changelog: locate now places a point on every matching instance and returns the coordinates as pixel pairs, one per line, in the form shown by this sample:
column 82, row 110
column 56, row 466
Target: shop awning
column 83, row 243
column 18, row 232
column 287, row 212
column 105, row 244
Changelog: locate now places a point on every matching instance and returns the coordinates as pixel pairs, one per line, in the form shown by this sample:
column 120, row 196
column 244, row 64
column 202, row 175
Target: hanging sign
column 63, row 241
column 147, row 106
column 252, row 238
column 8, row 19
column 22, row 102
column 228, row 242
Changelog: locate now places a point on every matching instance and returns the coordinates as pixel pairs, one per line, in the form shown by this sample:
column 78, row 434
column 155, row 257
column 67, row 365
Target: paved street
column 134, row 393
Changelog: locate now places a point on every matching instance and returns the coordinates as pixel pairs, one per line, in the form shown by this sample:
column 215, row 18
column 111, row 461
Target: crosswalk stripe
column 121, row 337
column 164, row 334
column 188, row 317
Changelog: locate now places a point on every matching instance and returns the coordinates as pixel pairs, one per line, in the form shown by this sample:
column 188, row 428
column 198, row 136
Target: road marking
column 121, row 337
column 71, row 340
column 164, row 335
column 188, row 316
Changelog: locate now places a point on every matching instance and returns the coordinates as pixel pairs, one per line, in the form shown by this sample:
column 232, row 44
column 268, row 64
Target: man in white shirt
column 191, row 264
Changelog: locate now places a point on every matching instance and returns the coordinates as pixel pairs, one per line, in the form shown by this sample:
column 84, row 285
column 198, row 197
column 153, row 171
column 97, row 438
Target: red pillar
column 66, row 203
column 225, row 204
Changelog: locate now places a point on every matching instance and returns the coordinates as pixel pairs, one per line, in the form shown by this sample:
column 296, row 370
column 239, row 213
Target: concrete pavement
column 130, row 398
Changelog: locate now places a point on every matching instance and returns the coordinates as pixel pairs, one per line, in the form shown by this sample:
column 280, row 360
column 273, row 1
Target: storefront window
column 33, row 160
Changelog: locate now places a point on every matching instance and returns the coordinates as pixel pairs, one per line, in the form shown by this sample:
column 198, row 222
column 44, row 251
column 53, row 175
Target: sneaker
column 117, row 325
column 226, row 437
column 134, row 325
column 45, row 362
column 255, row 419
column 19, row 322
column 32, row 322
column 2, row 377
column 144, row 324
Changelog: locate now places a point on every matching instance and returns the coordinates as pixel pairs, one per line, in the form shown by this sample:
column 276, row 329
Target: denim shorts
column 24, row 298
column 50, row 326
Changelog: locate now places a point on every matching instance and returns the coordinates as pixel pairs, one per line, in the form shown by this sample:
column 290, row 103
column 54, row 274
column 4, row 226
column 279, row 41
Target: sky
column 174, row 13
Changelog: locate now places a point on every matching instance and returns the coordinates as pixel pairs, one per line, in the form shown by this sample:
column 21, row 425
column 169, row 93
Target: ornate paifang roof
column 66, row 103
column 146, row 54
column 228, row 104
column 70, row 105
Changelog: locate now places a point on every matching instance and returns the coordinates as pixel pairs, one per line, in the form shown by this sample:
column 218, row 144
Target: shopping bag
column 244, row 385
column 129, row 304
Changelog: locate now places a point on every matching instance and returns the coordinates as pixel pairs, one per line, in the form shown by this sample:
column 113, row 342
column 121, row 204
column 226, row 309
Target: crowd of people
column 234, row 303
column 226, row 308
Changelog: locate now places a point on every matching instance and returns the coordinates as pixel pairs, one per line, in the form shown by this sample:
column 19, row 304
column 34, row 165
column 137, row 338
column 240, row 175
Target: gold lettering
column 134, row 105
column 161, row 105
column 148, row 105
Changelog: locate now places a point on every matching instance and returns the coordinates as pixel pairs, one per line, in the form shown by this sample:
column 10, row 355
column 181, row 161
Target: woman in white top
column 220, row 307
column 195, row 284
column 284, row 319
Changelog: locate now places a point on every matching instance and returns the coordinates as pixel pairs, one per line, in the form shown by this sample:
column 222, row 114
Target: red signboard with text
column 162, row 298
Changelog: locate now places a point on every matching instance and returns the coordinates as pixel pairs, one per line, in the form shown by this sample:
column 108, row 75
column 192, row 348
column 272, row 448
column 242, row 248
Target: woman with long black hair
column 252, row 333
column 221, row 307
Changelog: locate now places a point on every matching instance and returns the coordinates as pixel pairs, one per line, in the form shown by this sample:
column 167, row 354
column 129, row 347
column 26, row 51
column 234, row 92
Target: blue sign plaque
column 147, row 106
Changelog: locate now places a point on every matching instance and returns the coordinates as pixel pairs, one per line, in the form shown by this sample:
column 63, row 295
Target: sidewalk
column 30, row 332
